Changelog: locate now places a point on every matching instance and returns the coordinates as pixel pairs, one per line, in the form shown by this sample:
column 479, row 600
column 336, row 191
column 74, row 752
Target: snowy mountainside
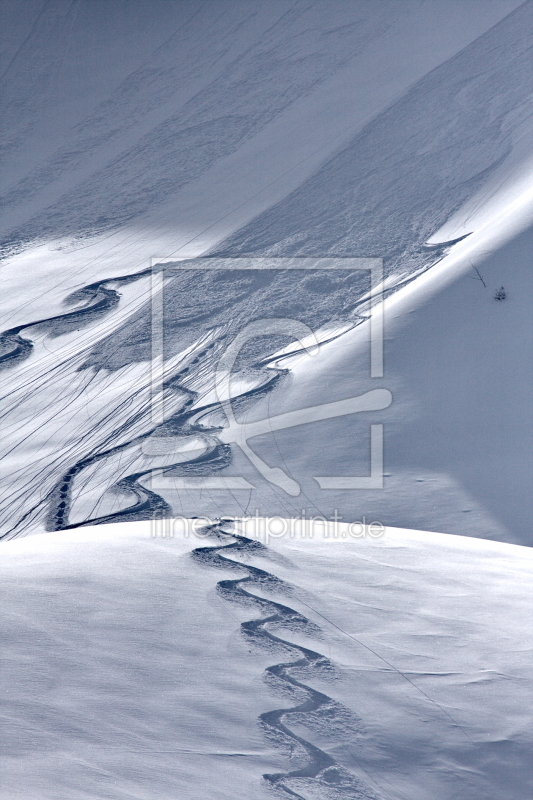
column 458, row 432
column 291, row 55
column 398, row 181
column 267, row 367
column 82, row 435
column 87, row 115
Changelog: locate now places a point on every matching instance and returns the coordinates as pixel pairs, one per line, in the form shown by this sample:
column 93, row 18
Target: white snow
column 470, row 472
column 64, row 137
column 140, row 133
column 124, row 674
column 459, row 431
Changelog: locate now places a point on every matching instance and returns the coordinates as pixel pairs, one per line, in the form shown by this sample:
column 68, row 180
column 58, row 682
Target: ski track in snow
column 319, row 772
column 77, row 406
column 72, row 396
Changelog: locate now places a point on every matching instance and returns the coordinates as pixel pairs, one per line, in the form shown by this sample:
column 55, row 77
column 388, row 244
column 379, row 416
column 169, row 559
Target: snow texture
column 79, row 432
column 396, row 667
column 142, row 660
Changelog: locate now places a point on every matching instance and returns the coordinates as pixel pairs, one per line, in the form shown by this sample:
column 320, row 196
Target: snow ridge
column 318, row 771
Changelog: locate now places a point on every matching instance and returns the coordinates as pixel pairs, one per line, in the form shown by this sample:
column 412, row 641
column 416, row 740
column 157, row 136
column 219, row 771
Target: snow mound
column 126, row 675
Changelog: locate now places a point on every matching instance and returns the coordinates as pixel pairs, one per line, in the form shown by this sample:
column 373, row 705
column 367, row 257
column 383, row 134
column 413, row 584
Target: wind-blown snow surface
column 266, row 130
column 125, row 674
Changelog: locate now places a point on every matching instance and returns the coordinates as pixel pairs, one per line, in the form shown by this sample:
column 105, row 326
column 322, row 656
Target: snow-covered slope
column 264, row 144
column 125, row 675
column 83, row 158
column 458, row 435
column 264, row 130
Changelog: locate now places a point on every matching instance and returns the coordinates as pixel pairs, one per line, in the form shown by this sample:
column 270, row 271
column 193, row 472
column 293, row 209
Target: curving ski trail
column 73, row 430
column 319, row 771
column 95, row 300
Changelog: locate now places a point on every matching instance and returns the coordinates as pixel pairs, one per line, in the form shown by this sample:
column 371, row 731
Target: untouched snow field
column 126, row 675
